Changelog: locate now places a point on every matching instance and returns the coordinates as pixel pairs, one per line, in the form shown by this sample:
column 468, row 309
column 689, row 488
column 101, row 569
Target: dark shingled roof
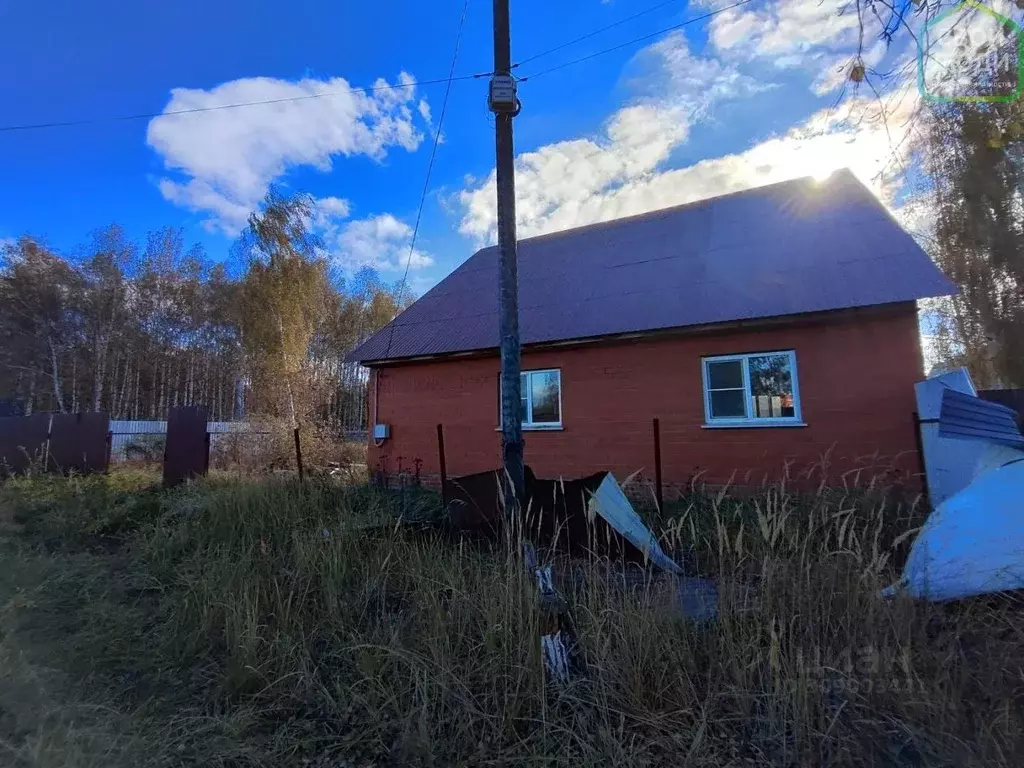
column 789, row 248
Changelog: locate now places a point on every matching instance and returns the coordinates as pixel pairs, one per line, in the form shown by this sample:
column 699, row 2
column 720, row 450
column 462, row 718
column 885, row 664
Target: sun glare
column 817, row 160
column 822, row 173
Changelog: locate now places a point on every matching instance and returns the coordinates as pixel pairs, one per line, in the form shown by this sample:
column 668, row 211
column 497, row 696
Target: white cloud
column 326, row 209
column 563, row 184
column 785, row 27
column 573, row 183
column 835, row 69
column 223, row 161
column 669, row 70
column 628, row 169
column 200, row 195
column 424, row 109
column 328, row 217
column 916, row 215
column 556, row 183
column 381, row 242
column 818, row 36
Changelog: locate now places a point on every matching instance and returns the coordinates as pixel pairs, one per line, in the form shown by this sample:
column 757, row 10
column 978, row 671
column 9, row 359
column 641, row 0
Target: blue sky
column 740, row 100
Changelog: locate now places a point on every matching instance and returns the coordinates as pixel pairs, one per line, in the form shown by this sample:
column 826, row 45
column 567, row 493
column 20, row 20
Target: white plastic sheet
column 948, row 462
column 973, row 543
column 611, row 503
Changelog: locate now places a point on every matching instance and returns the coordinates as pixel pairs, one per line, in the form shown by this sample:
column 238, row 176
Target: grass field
column 237, row 623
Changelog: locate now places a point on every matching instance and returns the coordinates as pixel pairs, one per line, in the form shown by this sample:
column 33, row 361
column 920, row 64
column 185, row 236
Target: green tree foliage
column 133, row 330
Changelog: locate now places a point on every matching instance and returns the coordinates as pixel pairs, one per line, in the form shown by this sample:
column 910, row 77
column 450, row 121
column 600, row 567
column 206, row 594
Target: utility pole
column 503, row 102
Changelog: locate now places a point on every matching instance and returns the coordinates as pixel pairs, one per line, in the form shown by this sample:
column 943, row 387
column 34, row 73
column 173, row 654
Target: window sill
column 756, row 425
column 539, row 428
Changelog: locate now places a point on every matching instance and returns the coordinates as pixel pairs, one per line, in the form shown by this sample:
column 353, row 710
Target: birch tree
column 284, row 299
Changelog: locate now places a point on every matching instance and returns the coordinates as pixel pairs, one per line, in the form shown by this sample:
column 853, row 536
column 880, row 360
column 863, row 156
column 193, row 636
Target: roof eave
column 685, row 330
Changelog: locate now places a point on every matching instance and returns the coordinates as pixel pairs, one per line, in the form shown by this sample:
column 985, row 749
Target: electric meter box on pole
column 502, row 96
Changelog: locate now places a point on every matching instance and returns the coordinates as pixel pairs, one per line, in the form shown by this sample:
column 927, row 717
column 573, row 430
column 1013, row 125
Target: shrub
column 270, row 446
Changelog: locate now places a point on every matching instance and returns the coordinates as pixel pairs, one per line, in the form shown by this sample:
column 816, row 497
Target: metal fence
column 54, row 442
column 146, row 440
column 88, row 442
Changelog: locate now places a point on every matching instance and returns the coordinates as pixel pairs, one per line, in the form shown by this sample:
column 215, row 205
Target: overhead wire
column 642, row 38
column 430, row 167
column 216, row 107
column 594, row 33
column 396, row 86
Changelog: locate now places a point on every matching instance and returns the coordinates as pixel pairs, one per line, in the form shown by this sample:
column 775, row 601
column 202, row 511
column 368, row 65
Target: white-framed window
column 759, row 389
column 540, row 398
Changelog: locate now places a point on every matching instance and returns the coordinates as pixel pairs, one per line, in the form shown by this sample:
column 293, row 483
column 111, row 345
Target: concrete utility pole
column 503, row 102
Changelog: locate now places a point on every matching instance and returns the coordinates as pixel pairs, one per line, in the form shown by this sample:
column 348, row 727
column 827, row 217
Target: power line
column 430, row 167
column 688, row 22
column 193, row 110
column 595, row 32
column 387, row 86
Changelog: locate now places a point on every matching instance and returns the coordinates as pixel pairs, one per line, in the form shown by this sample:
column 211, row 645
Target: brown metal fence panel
column 78, row 443
column 22, row 441
column 187, row 454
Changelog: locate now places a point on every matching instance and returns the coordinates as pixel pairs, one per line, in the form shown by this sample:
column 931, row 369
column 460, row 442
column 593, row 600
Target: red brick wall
column 856, row 376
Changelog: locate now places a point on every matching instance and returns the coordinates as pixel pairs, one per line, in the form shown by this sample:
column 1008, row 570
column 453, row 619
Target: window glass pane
column 545, row 397
column 727, row 404
column 771, row 387
column 725, row 375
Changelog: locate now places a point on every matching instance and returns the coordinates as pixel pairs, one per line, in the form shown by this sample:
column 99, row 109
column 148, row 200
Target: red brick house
column 769, row 327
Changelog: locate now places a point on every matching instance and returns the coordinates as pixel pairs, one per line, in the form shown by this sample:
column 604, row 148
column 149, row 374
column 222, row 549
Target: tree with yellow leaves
column 284, row 297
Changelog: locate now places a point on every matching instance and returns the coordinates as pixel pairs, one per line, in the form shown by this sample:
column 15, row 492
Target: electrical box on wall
column 381, row 431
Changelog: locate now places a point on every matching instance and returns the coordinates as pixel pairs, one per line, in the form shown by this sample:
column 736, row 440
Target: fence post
column 921, row 467
column 657, row 466
column 298, row 454
column 444, row 469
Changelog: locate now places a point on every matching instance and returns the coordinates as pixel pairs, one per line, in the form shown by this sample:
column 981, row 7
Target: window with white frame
column 758, row 389
column 540, row 398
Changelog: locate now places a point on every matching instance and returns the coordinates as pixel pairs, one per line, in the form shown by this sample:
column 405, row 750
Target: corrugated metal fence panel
column 971, row 418
column 22, row 440
column 137, row 440
column 78, row 443
column 145, row 440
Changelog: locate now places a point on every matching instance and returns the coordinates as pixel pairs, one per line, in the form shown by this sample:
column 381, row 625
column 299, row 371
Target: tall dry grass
column 299, row 625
